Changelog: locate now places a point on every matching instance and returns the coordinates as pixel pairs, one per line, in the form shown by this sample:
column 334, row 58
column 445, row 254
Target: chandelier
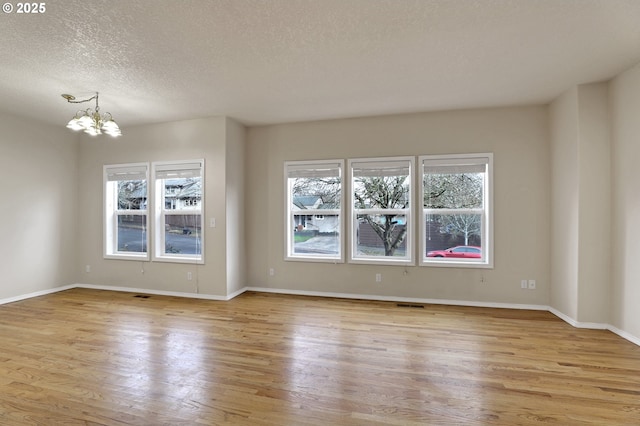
column 90, row 120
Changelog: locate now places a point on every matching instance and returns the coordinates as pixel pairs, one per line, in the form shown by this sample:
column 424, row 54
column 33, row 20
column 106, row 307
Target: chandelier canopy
column 91, row 120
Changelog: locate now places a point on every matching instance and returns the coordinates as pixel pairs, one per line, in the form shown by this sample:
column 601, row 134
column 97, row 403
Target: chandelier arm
column 72, row 99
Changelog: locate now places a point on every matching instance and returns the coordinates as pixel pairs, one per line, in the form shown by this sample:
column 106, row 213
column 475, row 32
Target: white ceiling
column 273, row 61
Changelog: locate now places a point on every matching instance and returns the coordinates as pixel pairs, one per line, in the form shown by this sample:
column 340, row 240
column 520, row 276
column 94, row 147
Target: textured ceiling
column 290, row 60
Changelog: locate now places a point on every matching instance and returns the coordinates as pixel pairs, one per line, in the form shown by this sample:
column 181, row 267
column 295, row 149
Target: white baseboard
column 398, row 299
column 236, row 293
column 596, row 326
column 35, row 294
column 628, row 336
column 589, row 325
column 157, row 292
column 578, row 324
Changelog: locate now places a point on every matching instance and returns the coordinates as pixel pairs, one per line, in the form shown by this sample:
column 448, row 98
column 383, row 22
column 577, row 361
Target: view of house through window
column 314, row 192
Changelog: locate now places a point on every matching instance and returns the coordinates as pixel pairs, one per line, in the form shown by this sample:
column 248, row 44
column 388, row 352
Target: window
column 381, row 193
column 314, row 206
column 456, row 227
column 126, row 215
column 179, row 198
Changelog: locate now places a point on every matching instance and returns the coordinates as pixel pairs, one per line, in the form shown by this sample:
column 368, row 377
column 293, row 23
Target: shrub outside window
column 314, row 210
column 381, row 193
column 126, row 211
column 179, row 200
column 456, row 225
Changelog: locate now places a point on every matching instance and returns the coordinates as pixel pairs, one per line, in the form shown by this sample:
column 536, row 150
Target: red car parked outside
column 458, row 252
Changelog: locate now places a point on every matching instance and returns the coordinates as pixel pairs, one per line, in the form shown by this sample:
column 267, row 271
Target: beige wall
column 235, row 208
column 38, row 215
column 518, row 137
column 184, row 140
column 625, row 154
column 580, row 187
column 563, row 125
column 594, row 218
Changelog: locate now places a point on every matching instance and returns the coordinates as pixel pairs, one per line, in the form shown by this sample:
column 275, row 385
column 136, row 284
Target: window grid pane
column 381, row 235
column 183, row 234
column 132, row 233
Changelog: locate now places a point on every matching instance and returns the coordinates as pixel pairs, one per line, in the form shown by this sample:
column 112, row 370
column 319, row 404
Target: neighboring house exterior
column 178, row 195
column 314, row 221
column 182, row 196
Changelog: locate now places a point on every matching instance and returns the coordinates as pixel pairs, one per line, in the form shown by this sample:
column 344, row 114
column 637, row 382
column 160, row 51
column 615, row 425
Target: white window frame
column 384, row 162
column 452, row 161
column 115, row 173
column 312, row 167
column 180, row 169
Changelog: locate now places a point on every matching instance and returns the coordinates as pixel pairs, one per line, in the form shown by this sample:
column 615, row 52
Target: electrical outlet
column 189, row 276
column 378, row 278
column 532, row 284
column 272, row 272
column 523, row 284
column 87, row 269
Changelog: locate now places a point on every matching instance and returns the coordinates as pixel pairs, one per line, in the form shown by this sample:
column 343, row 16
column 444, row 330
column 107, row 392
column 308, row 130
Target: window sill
column 141, row 257
column 383, row 261
column 315, row 259
column 179, row 259
column 456, row 264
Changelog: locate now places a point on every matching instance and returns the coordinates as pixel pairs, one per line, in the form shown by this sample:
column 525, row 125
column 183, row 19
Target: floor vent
column 409, row 305
column 142, row 296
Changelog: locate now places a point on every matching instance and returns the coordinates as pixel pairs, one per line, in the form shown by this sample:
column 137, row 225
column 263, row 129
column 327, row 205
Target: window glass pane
column 381, row 235
column 453, row 190
column 381, row 192
column 132, row 194
column 183, row 234
column 450, row 231
column 315, row 193
column 316, row 234
column 132, row 233
column 182, row 193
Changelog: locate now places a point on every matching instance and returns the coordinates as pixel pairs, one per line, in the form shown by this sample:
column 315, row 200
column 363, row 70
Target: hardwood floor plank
column 89, row 357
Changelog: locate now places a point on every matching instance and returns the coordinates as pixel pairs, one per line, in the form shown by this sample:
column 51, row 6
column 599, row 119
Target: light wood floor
column 108, row 358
